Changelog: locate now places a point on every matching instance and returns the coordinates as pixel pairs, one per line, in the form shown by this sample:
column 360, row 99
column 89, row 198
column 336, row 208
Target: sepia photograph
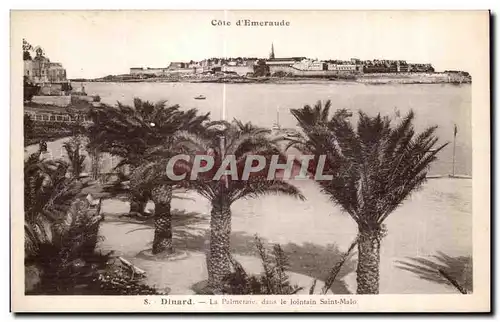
column 230, row 160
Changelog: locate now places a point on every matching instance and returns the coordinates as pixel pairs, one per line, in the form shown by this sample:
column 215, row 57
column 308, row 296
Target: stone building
column 40, row 70
column 342, row 67
column 240, row 70
column 57, row 74
column 309, row 64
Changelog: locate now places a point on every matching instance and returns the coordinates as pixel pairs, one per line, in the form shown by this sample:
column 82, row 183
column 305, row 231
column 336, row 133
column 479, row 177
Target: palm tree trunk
column 218, row 261
column 368, row 261
column 162, row 242
column 95, row 164
column 138, row 197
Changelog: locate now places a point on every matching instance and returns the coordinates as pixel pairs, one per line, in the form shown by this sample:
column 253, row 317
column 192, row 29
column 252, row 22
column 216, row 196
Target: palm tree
column 221, row 139
column 58, row 248
column 373, row 167
column 61, row 234
column 48, row 196
column 150, row 177
column 128, row 133
column 47, row 190
column 73, row 149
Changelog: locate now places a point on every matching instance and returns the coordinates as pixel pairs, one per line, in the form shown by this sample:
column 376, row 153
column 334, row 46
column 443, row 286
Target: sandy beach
column 436, row 218
column 313, row 233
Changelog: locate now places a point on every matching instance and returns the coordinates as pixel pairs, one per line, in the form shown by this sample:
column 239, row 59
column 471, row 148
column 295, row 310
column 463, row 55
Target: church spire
column 271, row 55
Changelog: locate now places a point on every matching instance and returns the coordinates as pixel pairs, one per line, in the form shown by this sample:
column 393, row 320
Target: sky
column 93, row 44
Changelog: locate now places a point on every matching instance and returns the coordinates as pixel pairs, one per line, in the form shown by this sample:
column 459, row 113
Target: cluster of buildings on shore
column 290, row 66
column 240, row 66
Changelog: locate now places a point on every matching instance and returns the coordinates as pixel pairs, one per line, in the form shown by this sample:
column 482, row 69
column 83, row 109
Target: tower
column 271, row 55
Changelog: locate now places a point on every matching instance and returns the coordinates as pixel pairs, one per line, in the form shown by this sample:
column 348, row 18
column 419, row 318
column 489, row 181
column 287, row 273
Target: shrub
column 64, row 254
column 273, row 280
column 50, row 130
column 28, row 128
column 280, row 73
column 96, row 98
column 29, row 89
column 61, row 235
column 64, row 249
column 116, row 281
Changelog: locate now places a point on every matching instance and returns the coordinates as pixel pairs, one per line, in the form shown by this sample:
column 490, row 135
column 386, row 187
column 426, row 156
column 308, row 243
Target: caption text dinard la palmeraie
column 250, row 301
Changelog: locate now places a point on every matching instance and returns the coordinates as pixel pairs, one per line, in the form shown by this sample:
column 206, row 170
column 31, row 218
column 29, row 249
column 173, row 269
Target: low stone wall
column 240, row 70
column 308, row 73
column 61, row 101
column 412, row 78
column 51, row 89
column 82, row 98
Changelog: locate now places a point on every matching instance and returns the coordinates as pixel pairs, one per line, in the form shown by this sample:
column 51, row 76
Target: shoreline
column 368, row 79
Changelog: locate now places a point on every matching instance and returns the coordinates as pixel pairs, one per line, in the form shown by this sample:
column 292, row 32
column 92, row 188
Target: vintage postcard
column 250, row 161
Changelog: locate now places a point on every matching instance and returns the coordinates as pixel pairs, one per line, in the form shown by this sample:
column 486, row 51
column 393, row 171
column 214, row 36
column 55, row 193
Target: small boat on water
column 200, row 97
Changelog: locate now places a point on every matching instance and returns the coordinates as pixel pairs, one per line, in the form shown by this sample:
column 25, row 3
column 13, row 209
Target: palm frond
column 442, row 269
column 375, row 166
column 255, row 189
column 332, row 275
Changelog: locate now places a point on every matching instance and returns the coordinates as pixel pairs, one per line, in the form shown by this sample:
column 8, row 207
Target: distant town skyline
column 95, row 44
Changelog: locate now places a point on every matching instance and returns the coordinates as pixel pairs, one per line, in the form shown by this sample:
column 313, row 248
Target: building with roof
column 40, row 70
column 342, row 67
column 57, row 73
column 309, row 64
